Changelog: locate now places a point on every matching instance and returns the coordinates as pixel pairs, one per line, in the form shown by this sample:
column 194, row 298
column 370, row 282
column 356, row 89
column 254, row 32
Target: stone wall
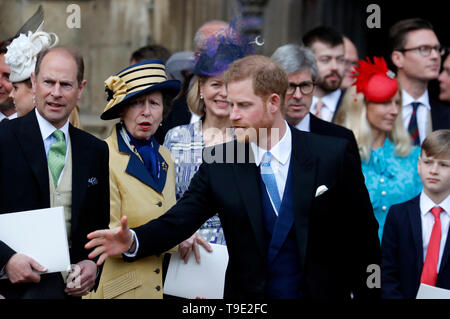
column 111, row 30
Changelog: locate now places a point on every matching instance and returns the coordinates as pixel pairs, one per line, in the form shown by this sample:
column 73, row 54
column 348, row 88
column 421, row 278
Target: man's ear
column 274, row 102
column 33, row 83
column 397, row 59
column 80, row 89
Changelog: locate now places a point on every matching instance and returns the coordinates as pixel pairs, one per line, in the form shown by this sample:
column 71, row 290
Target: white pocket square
column 321, row 189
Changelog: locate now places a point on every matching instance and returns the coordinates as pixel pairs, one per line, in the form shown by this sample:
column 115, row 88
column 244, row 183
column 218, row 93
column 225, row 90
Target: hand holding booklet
column 40, row 234
column 204, row 280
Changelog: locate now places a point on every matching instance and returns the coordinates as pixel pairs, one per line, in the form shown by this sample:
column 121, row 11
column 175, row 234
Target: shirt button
column 383, row 193
column 382, row 180
column 159, row 204
column 157, row 270
column 158, row 288
column 383, row 208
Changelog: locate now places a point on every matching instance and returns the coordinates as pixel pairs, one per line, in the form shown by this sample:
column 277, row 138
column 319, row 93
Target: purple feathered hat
column 221, row 50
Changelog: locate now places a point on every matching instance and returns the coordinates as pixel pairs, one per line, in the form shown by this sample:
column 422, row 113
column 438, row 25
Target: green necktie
column 57, row 156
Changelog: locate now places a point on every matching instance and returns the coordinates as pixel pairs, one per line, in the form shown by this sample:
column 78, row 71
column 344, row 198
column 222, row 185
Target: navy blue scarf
column 148, row 149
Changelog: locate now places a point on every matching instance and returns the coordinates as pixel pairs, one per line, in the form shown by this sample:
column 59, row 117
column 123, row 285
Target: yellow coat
column 140, row 203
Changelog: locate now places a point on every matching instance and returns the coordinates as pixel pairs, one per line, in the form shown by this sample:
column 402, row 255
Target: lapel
column 29, row 139
column 303, row 180
column 247, row 180
column 415, row 221
column 81, row 162
column 137, row 168
column 284, row 221
column 314, row 124
column 338, row 104
column 446, row 254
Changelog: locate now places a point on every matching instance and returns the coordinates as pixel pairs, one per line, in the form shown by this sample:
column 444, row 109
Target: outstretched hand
column 110, row 242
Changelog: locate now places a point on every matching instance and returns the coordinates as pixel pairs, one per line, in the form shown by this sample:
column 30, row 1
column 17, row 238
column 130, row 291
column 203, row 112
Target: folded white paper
column 430, row 292
column 40, row 234
column 204, row 280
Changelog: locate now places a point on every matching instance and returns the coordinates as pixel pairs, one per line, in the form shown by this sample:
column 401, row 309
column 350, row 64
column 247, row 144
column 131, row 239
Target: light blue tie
column 269, row 180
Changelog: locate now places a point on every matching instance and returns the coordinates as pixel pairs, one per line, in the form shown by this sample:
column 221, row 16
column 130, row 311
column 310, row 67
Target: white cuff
column 132, row 255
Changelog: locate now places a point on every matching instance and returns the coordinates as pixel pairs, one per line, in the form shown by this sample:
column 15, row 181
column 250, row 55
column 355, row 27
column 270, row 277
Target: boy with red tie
column 415, row 245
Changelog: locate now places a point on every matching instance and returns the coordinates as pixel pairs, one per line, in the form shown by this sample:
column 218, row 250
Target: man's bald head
column 208, row 29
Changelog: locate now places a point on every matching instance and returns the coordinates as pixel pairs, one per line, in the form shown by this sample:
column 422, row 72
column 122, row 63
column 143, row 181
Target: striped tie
column 413, row 129
column 319, row 106
column 269, row 180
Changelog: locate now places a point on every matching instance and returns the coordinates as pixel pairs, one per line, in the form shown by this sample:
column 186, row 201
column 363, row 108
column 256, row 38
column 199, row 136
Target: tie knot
column 436, row 211
column 319, row 105
column 266, row 158
column 415, row 105
column 59, row 135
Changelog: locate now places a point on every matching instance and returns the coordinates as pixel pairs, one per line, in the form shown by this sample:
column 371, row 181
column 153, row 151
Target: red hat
column 375, row 81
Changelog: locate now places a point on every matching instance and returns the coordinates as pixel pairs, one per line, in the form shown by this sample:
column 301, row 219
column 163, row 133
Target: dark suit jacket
column 322, row 127
column 336, row 232
column 339, row 102
column 24, row 181
column 402, row 253
column 440, row 115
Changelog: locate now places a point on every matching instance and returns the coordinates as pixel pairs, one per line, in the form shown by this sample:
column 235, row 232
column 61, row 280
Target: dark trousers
column 51, row 286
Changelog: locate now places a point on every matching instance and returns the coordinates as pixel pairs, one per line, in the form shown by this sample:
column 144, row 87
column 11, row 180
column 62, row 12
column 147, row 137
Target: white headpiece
column 23, row 50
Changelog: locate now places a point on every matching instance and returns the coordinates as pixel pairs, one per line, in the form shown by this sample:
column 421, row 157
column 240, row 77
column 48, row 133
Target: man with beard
column 328, row 47
column 288, row 235
column 416, row 53
column 7, row 109
column 300, row 65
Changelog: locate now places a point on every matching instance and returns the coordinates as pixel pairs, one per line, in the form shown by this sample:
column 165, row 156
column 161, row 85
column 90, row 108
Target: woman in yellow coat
column 142, row 182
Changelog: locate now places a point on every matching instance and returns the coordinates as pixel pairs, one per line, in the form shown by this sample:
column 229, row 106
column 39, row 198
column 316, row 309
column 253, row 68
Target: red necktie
column 429, row 272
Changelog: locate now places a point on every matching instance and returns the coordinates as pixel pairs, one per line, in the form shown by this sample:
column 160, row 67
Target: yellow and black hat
column 136, row 80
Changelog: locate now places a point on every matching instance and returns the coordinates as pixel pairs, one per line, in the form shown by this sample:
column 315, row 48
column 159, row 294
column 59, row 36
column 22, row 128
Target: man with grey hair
column 300, row 64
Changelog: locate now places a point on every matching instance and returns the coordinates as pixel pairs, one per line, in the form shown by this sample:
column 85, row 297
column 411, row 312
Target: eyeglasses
column 305, row 87
column 425, row 50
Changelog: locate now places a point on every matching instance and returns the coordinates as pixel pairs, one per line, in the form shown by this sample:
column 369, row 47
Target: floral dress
column 390, row 179
column 186, row 144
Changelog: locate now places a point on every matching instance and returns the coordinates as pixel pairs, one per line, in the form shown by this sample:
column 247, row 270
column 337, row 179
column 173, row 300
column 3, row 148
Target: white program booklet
column 192, row 280
column 40, row 234
column 430, row 292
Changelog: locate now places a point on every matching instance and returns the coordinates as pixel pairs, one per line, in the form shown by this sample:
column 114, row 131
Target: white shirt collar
column 423, row 99
column 47, row 128
column 304, row 125
column 11, row 117
column 330, row 100
column 280, row 151
column 426, row 204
